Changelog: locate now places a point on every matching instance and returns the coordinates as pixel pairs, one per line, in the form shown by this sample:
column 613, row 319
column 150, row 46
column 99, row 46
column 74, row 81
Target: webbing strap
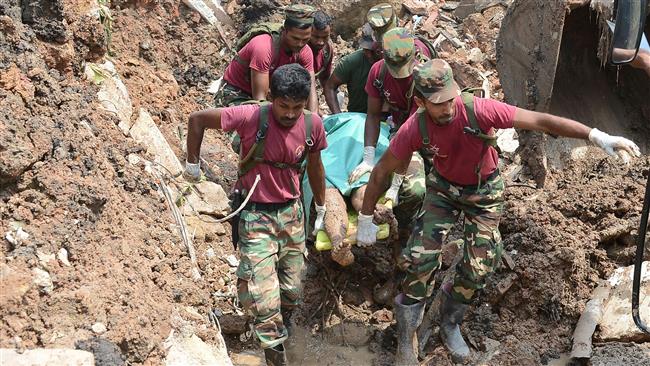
column 256, row 152
column 275, row 39
column 424, row 132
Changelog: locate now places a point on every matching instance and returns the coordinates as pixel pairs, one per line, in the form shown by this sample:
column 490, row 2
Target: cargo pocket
column 247, row 291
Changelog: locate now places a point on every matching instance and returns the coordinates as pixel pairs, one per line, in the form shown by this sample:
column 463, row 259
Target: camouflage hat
column 367, row 40
column 434, row 79
column 381, row 18
column 300, row 13
column 399, row 52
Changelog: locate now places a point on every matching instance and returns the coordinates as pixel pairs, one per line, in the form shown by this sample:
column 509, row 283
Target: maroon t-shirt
column 282, row 145
column 395, row 90
column 455, row 153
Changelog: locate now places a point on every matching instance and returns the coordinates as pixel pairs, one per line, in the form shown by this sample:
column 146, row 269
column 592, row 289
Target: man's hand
column 366, row 165
column 614, row 145
column 366, row 231
column 192, row 172
column 393, row 192
column 320, row 216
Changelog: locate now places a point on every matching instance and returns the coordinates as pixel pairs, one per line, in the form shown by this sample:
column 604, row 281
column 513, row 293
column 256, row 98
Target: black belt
column 268, row 206
column 493, row 175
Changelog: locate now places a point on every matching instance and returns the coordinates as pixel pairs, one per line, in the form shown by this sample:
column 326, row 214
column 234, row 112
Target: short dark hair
column 291, row 81
column 321, row 20
column 292, row 23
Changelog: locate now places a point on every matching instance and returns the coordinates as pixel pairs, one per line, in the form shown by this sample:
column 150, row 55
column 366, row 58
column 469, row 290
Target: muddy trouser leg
column 230, row 96
column 482, row 243
column 411, row 196
column 422, row 255
column 263, row 239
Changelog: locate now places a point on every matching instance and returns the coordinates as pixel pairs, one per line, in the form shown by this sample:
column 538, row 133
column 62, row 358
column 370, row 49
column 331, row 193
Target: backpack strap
column 256, row 153
column 275, row 55
column 422, row 123
column 381, row 78
column 327, row 57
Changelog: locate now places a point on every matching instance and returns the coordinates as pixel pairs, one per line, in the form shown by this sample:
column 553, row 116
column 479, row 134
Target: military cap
column 434, row 79
column 300, row 13
column 399, row 52
column 381, row 18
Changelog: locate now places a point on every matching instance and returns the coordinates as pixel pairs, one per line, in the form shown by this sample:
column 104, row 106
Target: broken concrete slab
column 219, row 12
column 113, row 95
column 146, row 132
column 46, row 357
column 185, row 348
column 617, row 323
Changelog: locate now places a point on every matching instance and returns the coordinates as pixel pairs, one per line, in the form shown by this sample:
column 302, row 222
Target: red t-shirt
column 455, row 153
column 259, row 50
column 422, row 48
column 319, row 61
column 282, row 145
column 395, row 90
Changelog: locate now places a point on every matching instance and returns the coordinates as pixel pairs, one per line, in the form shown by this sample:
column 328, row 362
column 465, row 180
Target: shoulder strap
column 475, row 129
column 381, row 78
column 424, row 132
column 275, row 37
column 256, row 153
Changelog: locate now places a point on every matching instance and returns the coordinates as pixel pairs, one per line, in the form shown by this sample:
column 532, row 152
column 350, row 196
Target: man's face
column 440, row 113
column 295, row 38
column 286, row 111
column 374, row 55
column 319, row 38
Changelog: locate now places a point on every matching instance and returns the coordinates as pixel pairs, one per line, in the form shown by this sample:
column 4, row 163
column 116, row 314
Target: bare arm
column 312, row 103
column 316, row 175
column 329, row 90
column 259, row 84
column 379, row 180
column 544, row 122
column 373, row 117
column 197, row 123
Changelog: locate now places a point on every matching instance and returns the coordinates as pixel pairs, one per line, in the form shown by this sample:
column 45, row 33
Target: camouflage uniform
column 399, row 53
column 272, row 247
column 482, row 205
column 381, row 18
column 230, row 96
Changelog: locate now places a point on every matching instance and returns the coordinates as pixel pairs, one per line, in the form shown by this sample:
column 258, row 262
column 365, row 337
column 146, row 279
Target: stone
column 13, row 79
column 508, row 261
column 43, row 280
column 475, row 56
column 188, row 349
column 219, row 12
column 415, row 7
column 99, row 328
column 233, row 324
column 46, row 357
column 145, row 132
column 113, row 95
column 62, row 255
column 214, row 195
column 504, row 285
column 617, row 324
column 231, row 260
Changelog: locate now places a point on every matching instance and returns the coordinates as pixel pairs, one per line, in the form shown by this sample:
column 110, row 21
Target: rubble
column 47, row 357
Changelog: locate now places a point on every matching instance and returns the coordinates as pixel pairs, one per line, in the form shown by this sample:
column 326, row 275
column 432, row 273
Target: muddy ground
column 67, row 182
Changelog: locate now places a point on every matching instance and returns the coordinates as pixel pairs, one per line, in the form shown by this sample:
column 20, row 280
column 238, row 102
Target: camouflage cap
column 300, row 13
column 434, row 79
column 382, row 18
column 367, row 40
column 399, row 52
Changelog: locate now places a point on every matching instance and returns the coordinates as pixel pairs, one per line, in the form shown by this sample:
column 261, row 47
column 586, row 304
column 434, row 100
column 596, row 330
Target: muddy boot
column 287, row 313
column 276, row 356
column 408, row 318
column 451, row 315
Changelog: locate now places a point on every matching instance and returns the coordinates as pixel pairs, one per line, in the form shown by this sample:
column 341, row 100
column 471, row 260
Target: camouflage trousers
column 482, row 245
column 411, row 194
column 272, row 247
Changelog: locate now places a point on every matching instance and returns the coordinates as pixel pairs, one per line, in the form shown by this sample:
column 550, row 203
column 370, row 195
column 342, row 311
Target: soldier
column 454, row 133
column 382, row 18
column 390, row 81
column 247, row 76
column 321, row 46
column 271, row 226
column 353, row 70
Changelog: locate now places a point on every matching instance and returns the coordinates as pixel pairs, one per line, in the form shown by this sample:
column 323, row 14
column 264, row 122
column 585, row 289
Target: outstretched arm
column 196, row 125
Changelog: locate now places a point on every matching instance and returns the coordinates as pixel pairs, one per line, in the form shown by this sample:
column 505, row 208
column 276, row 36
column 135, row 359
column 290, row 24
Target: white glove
column 366, row 231
column 320, row 216
column 614, row 145
column 192, row 172
column 366, row 165
column 392, row 192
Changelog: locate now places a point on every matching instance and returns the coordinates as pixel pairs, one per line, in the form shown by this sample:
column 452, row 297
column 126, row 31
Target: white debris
column 18, row 237
column 46, row 357
column 215, row 86
column 231, row 260
column 113, row 95
column 43, row 280
column 99, row 328
column 475, row 56
column 63, row 256
column 210, row 253
column 145, row 132
column 45, row 258
column 134, row 159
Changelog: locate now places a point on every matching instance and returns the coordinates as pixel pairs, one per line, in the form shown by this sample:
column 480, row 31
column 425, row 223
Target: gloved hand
column 392, row 192
column 614, row 145
column 366, row 231
column 192, row 172
column 320, row 216
column 366, row 165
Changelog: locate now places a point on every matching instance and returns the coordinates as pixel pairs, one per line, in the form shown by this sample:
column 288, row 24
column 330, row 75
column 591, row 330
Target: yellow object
column 323, row 241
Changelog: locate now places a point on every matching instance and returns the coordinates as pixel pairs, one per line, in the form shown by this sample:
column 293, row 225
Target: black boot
column 451, row 316
column 408, row 318
column 287, row 313
column 276, row 356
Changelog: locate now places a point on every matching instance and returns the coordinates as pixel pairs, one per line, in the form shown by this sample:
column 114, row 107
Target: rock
column 113, row 95
column 188, row 349
column 44, row 258
column 382, row 316
column 146, row 132
column 210, row 253
column 14, row 80
column 506, row 283
column 231, row 260
column 415, row 7
column 475, row 56
column 18, row 237
column 43, row 280
column 215, row 196
column 233, row 324
column 200, row 7
column 219, row 12
column 508, row 261
column 99, row 328
column 62, row 255
column 617, row 323
column 47, row 357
